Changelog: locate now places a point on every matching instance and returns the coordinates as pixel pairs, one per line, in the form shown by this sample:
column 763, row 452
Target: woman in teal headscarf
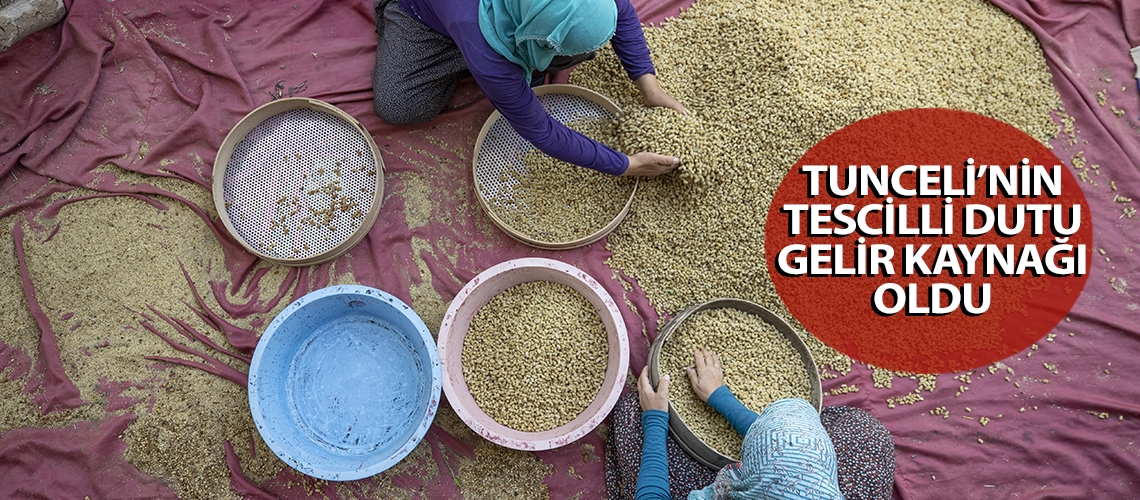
column 425, row 47
column 790, row 451
column 531, row 33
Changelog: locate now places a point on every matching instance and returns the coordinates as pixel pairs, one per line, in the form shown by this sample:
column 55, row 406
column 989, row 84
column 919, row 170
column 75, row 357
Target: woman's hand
column 650, row 165
column 705, row 374
column 655, row 96
column 653, row 399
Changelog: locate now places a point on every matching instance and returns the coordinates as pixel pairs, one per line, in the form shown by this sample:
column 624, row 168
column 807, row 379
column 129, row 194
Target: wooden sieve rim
column 680, row 431
column 251, row 121
column 576, row 91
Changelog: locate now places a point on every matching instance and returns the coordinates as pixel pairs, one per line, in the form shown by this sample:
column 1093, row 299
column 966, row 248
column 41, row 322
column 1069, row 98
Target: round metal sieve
column 498, row 151
column 682, row 435
column 298, row 181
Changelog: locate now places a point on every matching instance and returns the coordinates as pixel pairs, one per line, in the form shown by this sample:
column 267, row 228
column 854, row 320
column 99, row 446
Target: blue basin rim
column 339, row 384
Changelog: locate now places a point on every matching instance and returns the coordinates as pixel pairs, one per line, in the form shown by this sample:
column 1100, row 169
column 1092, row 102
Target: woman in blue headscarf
column 425, row 47
column 790, row 451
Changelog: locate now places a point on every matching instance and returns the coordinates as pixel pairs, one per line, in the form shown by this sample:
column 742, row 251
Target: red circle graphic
column 904, row 321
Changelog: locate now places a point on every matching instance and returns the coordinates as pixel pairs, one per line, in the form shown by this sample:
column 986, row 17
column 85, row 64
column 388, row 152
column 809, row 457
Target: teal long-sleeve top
column 653, row 474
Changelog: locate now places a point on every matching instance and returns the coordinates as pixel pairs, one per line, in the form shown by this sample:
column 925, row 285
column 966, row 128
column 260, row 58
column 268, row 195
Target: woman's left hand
column 655, row 96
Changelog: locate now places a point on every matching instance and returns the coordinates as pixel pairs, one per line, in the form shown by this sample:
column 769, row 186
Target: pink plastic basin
column 474, row 296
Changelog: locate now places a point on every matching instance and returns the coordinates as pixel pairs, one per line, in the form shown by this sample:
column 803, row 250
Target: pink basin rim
column 474, row 295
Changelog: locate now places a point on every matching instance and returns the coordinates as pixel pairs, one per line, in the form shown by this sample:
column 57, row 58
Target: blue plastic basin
column 344, row 382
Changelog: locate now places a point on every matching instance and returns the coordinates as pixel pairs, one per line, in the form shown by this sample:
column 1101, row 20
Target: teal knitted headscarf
column 530, row 33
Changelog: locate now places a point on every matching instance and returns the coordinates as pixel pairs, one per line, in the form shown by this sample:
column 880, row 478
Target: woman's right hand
column 653, row 399
column 650, row 165
column 706, row 374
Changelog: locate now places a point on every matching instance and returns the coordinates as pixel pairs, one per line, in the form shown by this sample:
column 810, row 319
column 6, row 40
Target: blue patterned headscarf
column 530, row 33
column 787, row 455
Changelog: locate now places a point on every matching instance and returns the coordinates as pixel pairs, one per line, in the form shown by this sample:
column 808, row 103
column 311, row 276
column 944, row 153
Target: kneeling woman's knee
column 396, row 111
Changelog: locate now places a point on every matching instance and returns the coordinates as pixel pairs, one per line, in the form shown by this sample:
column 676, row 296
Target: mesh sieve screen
column 300, row 183
column 502, row 147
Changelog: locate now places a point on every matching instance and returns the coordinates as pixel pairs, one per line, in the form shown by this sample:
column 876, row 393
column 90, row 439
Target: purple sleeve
column 629, row 42
column 505, row 86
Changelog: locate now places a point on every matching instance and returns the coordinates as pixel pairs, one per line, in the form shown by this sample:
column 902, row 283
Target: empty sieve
column 298, row 181
column 499, row 152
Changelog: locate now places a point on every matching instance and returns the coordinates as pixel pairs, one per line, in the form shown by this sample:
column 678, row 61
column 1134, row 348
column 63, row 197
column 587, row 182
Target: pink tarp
column 131, row 83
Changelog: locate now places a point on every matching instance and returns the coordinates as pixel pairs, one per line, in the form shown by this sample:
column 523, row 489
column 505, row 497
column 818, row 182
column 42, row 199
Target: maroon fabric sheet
column 85, row 459
column 131, row 83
